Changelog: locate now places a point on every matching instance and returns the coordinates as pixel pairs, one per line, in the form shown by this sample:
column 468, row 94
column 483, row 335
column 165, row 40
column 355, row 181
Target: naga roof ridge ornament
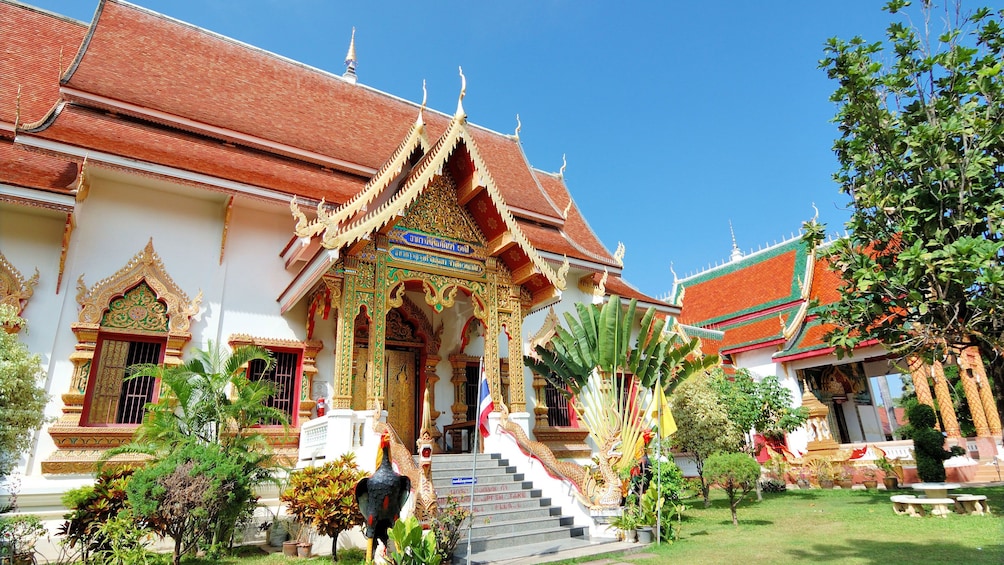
column 519, row 126
column 421, row 111
column 564, row 163
column 350, row 59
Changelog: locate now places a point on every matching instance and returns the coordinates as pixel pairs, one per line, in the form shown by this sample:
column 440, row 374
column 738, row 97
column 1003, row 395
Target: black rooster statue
column 381, row 497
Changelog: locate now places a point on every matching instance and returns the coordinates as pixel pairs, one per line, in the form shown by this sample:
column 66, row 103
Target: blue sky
column 676, row 117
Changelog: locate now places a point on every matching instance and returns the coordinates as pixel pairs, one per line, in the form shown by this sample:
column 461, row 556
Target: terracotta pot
column 825, row 483
column 303, row 549
column 891, row 483
column 289, row 548
column 846, row 483
column 870, row 484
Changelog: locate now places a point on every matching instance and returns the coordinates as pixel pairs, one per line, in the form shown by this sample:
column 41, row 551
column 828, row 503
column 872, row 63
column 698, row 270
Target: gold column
column 945, row 401
column 986, row 397
column 492, row 330
column 969, row 375
column 517, row 389
column 377, row 279
column 346, row 321
column 920, row 374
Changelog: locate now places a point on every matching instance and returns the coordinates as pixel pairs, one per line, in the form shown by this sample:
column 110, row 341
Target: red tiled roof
column 825, row 283
column 622, row 288
column 33, row 46
column 222, row 83
column 575, row 224
column 741, row 289
column 759, row 331
column 136, row 140
column 36, row 170
column 548, row 238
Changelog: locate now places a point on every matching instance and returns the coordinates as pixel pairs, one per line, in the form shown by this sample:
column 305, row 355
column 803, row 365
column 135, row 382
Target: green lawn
column 831, row 526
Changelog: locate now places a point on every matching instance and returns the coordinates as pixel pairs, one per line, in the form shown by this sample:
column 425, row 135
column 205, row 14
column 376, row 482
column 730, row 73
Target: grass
column 254, row 555
column 830, row 526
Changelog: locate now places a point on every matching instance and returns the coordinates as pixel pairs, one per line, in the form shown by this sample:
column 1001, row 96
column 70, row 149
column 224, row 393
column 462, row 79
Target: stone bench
column 914, row 505
column 971, row 504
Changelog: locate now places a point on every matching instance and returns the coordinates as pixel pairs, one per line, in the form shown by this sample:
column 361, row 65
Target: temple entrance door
column 400, row 398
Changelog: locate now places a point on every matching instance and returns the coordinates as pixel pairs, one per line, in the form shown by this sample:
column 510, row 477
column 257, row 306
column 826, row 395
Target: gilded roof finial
column 619, row 254
column 350, row 59
column 816, row 216
column 564, row 163
column 673, row 272
column 519, row 126
column 736, row 253
column 463, row 92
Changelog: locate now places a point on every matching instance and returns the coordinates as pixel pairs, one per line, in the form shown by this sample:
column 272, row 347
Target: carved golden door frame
column 78, row 447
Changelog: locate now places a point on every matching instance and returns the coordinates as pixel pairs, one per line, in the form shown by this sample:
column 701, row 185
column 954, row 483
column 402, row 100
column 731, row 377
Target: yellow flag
column 667, row 425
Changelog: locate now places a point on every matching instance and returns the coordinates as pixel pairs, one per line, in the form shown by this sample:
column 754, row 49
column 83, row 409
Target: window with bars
column 557, row 406
column 116, row 399
column 283, row 376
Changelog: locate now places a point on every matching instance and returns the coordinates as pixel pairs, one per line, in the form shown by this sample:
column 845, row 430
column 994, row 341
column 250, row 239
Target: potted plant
column 803, row 477
column 845, row 476
column 628, row 520
column 323, row 499
column 822, row 469
column 18, row 536
column 869, row 475
column 889, row 475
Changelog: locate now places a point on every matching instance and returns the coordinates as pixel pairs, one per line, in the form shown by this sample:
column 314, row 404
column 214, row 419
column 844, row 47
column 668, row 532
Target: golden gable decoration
column 145, row 266
column 14, row 290
column 438, row 212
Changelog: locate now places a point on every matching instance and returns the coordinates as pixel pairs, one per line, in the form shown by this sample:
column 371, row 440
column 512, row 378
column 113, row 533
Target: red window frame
column 104, row 336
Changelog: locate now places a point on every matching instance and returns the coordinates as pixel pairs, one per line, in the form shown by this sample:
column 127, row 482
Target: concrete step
column 482, row 479
column 490, row 497
column 452, row 473
column 544, row 552
column 465, row 490
column 491, row 526
column 467, row 464
column 516, row 539
column 491, row 507
column 988, row 473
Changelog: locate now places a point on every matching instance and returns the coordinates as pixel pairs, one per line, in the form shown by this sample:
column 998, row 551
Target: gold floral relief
column 437, row 211
column 138, row 309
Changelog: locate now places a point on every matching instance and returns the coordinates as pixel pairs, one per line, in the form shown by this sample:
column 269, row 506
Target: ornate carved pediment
column 14, row 289
column 146, row 267
column 437, row 211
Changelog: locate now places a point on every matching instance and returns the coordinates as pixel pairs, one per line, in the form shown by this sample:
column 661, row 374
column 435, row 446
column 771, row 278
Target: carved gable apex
column 437, row 211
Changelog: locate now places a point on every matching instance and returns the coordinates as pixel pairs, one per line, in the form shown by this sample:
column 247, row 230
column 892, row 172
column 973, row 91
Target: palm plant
column 612, row 376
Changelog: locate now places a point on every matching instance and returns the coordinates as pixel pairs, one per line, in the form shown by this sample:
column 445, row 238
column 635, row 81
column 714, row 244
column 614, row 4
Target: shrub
column 92, row 506
column 411, row 546
column 19, row 534
column 928, row 445
column 447, row 526
column 325, row 497
column 192, row 495
column 736, row 473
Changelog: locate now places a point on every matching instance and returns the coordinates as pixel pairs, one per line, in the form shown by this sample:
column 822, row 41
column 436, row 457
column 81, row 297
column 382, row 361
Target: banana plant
column 612, row 377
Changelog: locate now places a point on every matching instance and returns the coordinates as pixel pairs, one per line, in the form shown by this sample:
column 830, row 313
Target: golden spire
column 350, row 59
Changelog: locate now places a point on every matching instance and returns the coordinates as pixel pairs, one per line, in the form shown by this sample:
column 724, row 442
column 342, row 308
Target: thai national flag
column 485, row 404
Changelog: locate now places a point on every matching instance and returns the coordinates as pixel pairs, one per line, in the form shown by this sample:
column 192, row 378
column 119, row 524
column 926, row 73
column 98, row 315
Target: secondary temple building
column 157, row 195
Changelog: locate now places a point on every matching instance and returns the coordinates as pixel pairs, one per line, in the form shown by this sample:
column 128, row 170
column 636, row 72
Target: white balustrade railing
column 338, row 432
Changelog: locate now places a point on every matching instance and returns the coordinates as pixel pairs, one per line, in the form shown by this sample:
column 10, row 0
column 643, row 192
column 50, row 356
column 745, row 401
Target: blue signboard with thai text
column 437, row 243
column 434, row 260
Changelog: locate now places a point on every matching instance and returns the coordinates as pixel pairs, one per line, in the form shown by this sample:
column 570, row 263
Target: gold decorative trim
column 228, row 212
column 324, row 222
column 146, row 265
column 14, row 289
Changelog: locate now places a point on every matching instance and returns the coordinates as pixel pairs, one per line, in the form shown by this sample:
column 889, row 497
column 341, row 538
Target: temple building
column 754, row 311
column 157, row 195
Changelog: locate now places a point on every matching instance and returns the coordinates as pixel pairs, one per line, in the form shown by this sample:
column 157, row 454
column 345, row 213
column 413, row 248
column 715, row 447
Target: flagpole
column 658, row 468
column 474, row 465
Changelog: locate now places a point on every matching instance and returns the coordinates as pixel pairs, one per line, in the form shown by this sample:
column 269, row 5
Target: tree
column 736, row 473
column 22, row 400
column 764, row 405
column 703, row 423
column 921, row 152
column 592, row 357
column 209, row 401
